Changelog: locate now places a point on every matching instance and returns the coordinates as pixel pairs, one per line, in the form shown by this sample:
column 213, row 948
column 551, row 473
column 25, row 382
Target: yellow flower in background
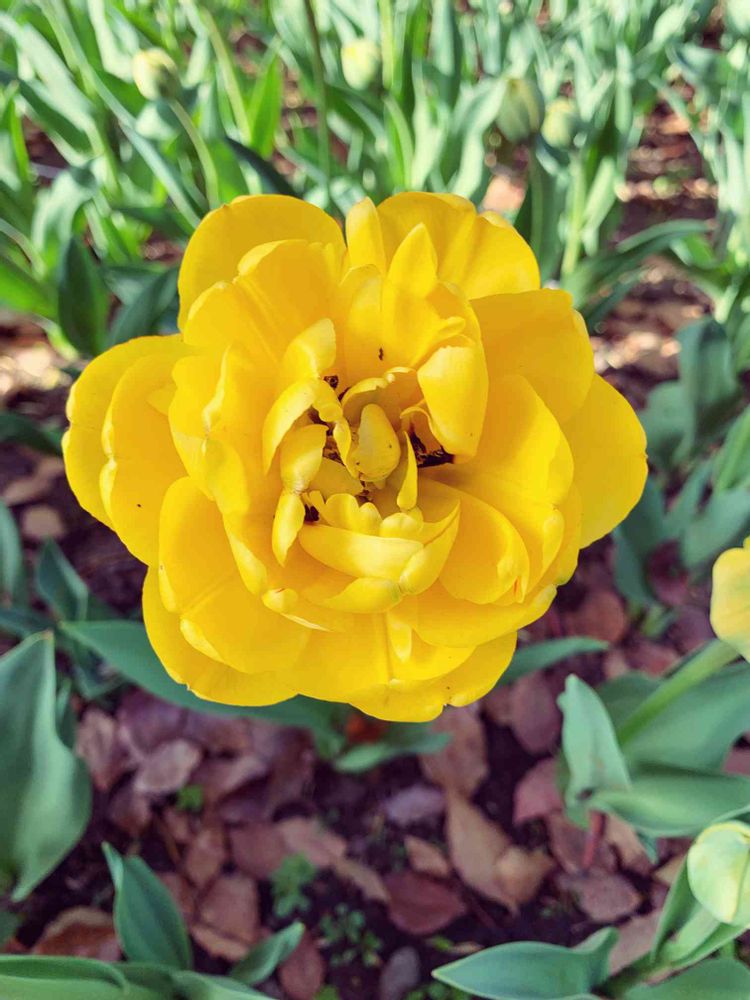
column 730, row 598
column 363, row 465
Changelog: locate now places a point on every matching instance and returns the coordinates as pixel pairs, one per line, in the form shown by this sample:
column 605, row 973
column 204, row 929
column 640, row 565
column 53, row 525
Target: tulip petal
column 205, row 677
column 454, row 383
column 730, row 600
column 225, row 235
column 609, row 454
column 86, row 409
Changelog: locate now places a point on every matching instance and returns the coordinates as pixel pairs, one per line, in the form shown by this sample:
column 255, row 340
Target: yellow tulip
column 363, row 465
column 730, row 599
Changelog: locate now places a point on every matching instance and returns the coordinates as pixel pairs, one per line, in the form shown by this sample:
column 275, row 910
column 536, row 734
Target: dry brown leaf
column 568, row 843
column 535, row 717
column 629, row 848
column 218, row 944
column 738, row 761
column 603, row 897
column 40, row 522
column 415, row 804
column 462, row 764
column 519, row 873
column 366, row 879
column 258, row 848
column 82, row 932
column 206, row 855
column 426, row 858
column 320, row 846
column 537, row 794
column 602, row 616
column 178, row 823
column 230, row 907
column 219, row 778
column 401, row 973
column 420, row 905
column 130, row 810
column 497, row 705
column 635, row 939
column 98, row 743
column 145, row 722
column 37, row 484
column 181, row 891
column 218, row 734
column 669, row 871
column 475, row 844
column 167, row 768
column 304, row 972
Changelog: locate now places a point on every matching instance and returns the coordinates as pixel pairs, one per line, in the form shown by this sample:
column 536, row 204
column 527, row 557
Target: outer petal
column 142, row 462
column 204, row 676
column 482, row 254
column 229, row 232
column 87, row 407
column 540, row 336
column 420, row 701
column 730, row 601
column 609, row 457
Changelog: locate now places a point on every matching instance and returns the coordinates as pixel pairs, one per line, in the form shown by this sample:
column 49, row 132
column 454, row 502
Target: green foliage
column 345, row 931
column 288, row 885
column 265, row 957
column 46, row 790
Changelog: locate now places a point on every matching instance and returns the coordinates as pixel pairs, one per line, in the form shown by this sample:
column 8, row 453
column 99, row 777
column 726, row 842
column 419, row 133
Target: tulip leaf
column 719, row 978
column 12, row 572
column 263, row 959
column 275, row 182
column 140, row 316
column 21, row 430
column 674, row 802
column 593, row 756
column 82, row 301
column 530, row 970
column 45, row 788
column 541, row 655
column 399, row 739
column 148, row 924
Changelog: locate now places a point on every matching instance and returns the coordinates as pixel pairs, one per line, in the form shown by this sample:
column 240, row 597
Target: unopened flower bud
column 718, row 866
column 521, row 111
column 561, row 122
column 155, row 74
column 360, row 62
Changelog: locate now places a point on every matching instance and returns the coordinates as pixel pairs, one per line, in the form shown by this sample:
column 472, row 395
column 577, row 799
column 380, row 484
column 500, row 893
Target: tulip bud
column 561, row 123
column 718, row 867
column 521, row 110
column 155, row 74
column 360, row 62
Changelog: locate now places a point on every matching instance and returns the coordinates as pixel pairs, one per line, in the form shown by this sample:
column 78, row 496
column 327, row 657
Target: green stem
column 386, row 42
column 208, row 169
column 704, row 664
column 575, row 222
column 324, row 138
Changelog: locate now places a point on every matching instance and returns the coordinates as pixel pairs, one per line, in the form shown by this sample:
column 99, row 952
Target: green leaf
column 59, row 585
column 262, row 960
column 719, row 979
column 125, row 645
column 46, row 793
column 723, row 522
column 21, row 291
column 140, row 317
column 707, row 373
column 635, row 539
column 21, row 430
column 39, row 977
column 9, row 923
column 541, row 655
column 592, row 753
column 732, row 462
column 166, row 172
column 148, row 924
column 12, row 571
column 674, row 802
column 529, row 970
column 56, row 209
column 400, row 739
column 82, row 301
column 192, row 986
column 273, row 181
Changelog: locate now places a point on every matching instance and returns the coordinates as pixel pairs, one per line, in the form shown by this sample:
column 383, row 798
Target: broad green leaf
column 723, row 523
column 674, row 802
column 125, row 645
column 148, row 924
column 529, row 970
column 56, row 209
column 21, row 291
column 9, row 923
column 732, row 462
column 192, row 986
column 59, row 585
column 263, row 959
column 45, row 788
column 595, row 761
column 635, row 539
column 707, row 373
column 47, row 978
column 719, row 979
column 400, row 739
column 540, row 655
column 12, row 572
column 22, row 430
column 82, row 301
column 273, row 181
column 140, row 317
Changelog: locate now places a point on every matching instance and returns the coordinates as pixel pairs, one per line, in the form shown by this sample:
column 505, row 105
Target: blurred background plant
column 123, row 122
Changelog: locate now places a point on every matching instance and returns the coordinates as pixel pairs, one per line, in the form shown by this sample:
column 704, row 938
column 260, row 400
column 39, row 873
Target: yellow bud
column 718, row 866
column 561, row 123
column 360, row 62
column 521, row 110
column 155, row 74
